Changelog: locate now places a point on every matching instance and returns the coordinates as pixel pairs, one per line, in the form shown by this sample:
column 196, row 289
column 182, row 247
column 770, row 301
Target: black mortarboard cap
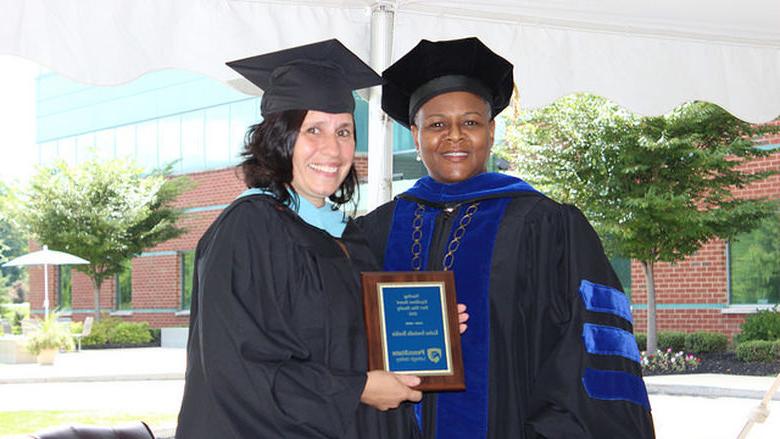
column 318, row 76
column 435, row 67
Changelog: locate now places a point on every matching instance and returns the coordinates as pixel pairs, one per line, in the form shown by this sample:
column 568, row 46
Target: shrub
column 641, row 341
column 11, row 310
column 76, row 327
column 666, row 340
column 704, row 342
column 14, row 313
column 6, row 314
column 128, row 333
column 156, row 335
column 763, row 325
column 668, row 361
column 756, row 351
column 99, row 334
column 16, row 324
column 671, row 340
column 112, row 331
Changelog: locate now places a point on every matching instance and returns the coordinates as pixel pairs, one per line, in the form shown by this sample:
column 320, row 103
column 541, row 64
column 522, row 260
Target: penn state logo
column 434, row 354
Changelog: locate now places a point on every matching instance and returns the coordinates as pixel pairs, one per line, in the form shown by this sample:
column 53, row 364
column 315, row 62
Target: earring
column 418, row 158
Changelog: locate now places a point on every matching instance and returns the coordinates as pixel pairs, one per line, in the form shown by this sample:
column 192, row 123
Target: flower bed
column 668, row 362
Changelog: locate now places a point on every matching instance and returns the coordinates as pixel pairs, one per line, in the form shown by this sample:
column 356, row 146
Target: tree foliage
column 657, row 187
column 105, row 212
column 660, row 187
column 13, row 243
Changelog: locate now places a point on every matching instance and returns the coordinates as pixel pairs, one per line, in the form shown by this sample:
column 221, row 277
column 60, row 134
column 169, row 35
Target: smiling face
column 322, row 155
column 453, row 133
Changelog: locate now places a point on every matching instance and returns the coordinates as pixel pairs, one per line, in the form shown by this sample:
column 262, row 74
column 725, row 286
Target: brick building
column 172, row 115
column 715, row 289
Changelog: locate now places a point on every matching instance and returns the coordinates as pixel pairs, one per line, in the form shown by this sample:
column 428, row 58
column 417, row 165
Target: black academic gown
column 277, row 347
column 537, row 356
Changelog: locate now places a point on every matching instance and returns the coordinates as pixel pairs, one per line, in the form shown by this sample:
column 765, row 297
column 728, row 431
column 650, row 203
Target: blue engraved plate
column 414, row 325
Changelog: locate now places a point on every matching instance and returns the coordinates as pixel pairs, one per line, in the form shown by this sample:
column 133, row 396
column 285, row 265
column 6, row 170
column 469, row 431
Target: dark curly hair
column 267, row 154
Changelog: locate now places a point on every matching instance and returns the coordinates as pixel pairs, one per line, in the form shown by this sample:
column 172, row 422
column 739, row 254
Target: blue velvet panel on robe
column 608, row 340
column 482, row 186
column 601, row 298
column 465, row 414
column 613, row 385
column 398, row 252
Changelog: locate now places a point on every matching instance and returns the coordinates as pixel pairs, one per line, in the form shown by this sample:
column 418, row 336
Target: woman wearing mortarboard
column 277, row 347
column 549, row 352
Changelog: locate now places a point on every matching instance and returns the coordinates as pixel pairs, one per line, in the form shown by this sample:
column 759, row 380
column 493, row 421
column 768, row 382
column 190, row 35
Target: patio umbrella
column 46, row 257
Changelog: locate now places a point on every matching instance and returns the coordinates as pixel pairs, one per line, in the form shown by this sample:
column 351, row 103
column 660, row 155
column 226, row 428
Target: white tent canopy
column 646, row 56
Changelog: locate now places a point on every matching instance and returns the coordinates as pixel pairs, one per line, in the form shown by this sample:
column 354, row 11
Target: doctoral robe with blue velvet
column 550, row 329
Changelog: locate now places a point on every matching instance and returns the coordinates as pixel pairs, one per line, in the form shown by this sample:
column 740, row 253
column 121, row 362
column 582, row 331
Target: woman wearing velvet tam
column 276, row 346
column 549, row 352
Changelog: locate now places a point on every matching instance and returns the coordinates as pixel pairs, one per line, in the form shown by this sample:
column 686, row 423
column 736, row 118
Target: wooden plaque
column 411, row 323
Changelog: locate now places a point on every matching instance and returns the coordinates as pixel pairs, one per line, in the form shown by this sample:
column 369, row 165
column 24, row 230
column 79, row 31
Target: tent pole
column 45, row 291
column 380, row 134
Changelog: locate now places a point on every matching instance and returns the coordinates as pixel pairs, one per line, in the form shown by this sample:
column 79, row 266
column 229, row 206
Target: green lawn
column 19, row 423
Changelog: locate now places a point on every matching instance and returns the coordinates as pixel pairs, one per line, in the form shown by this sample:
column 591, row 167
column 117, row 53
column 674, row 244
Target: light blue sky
column 18, row 152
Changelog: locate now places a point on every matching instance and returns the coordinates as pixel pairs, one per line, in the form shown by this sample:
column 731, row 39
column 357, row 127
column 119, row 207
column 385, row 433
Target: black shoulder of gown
column 374, row 227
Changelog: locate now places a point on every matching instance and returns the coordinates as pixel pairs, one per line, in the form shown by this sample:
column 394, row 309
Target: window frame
column 59, row 287
column 118, row 290
column 183, row 254
column 750, row 306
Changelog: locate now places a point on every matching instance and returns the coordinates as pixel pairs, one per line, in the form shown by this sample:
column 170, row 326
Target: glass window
column 67, row 150
column 124, row 287
column 361, row 124
column 402, row 138
column 407, row 167
column 243, row 114
column 47, row 153
column 217, row 136
column 753, row 265
column 187, row 270
column 125, row 142
column 85, row 147
column 146, row 145
column 105, row 144
column 170, row 142
column 622, row 267
column 64, row 287
column 193, row 157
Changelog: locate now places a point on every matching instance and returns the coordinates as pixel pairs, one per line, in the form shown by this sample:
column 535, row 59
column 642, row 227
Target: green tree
column 658, row 187
column 105, row 212
column 4, row 296
column 13, row 242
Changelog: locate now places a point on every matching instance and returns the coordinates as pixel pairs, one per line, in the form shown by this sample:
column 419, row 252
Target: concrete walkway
column 160, row 364
column 152, row 378
column 711, row 386
column 136, row 380
column 101, row 365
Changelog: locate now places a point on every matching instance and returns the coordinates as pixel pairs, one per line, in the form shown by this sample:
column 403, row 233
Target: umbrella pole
column 46, row 291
